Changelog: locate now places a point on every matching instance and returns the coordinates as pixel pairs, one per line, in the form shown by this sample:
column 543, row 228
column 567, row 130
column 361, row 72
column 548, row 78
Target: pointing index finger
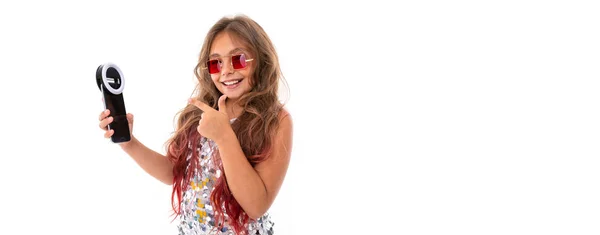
column 199, row 104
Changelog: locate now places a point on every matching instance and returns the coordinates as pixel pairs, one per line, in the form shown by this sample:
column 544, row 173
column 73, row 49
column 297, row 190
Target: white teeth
column 229, row 83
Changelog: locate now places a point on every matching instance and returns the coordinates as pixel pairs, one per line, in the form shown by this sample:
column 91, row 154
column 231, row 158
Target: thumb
column 222, row 105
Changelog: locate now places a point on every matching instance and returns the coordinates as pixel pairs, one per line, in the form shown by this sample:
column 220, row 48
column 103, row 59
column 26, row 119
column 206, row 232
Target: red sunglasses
column 237, row 61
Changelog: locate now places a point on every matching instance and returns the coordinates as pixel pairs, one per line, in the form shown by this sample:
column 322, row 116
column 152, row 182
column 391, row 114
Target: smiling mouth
column 231, row 82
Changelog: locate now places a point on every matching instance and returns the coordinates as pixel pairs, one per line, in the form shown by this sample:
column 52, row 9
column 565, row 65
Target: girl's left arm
column 255, row 188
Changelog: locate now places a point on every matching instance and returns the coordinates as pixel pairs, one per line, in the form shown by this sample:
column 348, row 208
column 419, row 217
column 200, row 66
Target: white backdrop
column 415, row 118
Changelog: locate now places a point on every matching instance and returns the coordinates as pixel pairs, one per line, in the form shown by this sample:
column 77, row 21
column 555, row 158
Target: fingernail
column 106, row 111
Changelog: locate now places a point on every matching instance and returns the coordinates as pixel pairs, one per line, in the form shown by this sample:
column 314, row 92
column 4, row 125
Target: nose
column 227, row 67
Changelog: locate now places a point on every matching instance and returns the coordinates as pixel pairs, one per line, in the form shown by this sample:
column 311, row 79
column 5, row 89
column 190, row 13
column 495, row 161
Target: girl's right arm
column 155, row 164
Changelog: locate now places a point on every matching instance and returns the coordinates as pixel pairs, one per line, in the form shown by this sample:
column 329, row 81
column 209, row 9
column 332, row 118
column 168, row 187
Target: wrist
column 129, row 144
column 225, row 137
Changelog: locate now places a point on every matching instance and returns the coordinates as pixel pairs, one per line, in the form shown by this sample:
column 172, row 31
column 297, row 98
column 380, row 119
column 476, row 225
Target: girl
column 230, row 152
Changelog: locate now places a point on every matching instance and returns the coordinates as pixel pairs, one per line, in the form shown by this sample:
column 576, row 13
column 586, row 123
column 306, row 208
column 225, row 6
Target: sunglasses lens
column 213, row 66
column 238, row 61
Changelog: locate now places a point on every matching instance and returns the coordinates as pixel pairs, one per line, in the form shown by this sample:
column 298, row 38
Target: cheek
column 250, row 82
column 249, row 79
column 215, row 79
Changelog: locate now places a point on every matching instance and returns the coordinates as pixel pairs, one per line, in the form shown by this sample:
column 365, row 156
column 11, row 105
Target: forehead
column 226, row 44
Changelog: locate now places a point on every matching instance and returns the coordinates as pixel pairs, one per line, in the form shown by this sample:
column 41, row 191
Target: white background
column 424, row 117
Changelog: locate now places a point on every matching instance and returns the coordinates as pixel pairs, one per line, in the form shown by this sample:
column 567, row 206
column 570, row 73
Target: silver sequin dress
column 197, row 213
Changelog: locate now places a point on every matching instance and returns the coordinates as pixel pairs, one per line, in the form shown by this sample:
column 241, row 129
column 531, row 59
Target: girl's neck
column 233, row 110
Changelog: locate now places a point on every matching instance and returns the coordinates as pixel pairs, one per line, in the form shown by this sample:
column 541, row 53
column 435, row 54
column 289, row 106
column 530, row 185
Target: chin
column 234, row 94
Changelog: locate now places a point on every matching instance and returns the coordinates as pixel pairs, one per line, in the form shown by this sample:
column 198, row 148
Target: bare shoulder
column 284, row 134
column 285, row 120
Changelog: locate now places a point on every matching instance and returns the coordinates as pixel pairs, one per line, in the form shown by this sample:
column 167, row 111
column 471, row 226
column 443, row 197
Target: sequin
column 198, row 216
